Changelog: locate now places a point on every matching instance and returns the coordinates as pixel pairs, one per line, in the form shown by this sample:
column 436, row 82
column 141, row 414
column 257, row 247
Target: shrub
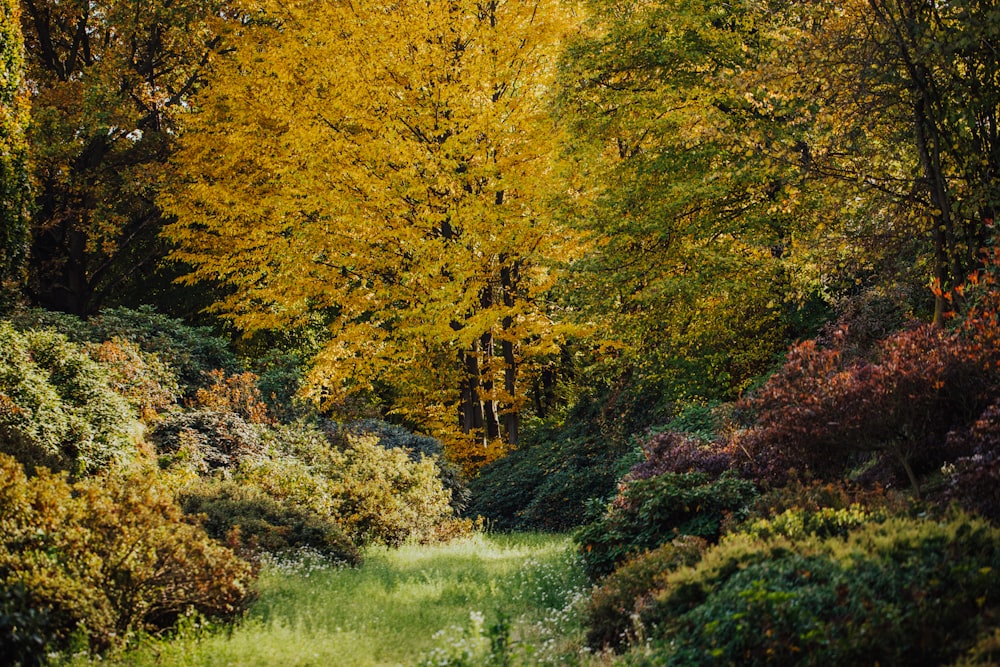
column 392, row 436
column 385, row 497
column 376, row 494
column 613, row 607
column 548, row 482
column 974, row 481
column 238, row 394
column 650, row 512
column 676, row 452
column 245, row 514
column 110, row 555
column 205, row 439
column 281, row 376
column 900, row 592
column 141, row 378
column 191, row 352
column 819, row 411
column 25, row 630
column 56, row 406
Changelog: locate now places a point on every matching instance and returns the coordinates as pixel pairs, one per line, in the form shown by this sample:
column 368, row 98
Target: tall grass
column 489, row 599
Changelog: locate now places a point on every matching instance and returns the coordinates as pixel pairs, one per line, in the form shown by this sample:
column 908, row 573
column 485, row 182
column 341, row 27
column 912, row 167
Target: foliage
column 901, row 592
column 675, row 452
column 692, row 222
column 816, row 497
column 613, row 607
column 568, row 460
column 383, row 496
column 110, row 555
column 108, row 80
column 820, row 410
column 141, row 378
column 650, row 512
column 974, row 480
column 25, row 632
column 377, row 495
column 237, row 512
column 443, row 135
column 238, row 394
column 190, row 352
column 393, row 436
column 204, row 440
column 15, row 194
column 281, row 375
column 56, row 406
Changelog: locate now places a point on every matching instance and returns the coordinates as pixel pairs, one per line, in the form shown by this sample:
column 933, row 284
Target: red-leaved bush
column 825, row 414
column 672, row 451
column 975, row 479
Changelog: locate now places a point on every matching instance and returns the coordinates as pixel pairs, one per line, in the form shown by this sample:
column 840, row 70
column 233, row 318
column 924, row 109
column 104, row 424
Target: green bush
column 385, row 497
column 650, row 512
column 376, row 494
column 190, row 351
column 548, row 481
column 57, row 408
column 900, row 592
column 236, row 512
column 613, row 608
column 393, row 436
column 108, row 556
column 25, row 629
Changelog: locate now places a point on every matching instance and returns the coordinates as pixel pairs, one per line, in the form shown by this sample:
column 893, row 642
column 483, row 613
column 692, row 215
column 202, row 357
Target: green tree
column 14, row 191
column 690, row 216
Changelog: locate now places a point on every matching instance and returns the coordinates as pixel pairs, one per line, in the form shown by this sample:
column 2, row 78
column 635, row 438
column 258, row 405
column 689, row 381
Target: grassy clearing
column 486, row 599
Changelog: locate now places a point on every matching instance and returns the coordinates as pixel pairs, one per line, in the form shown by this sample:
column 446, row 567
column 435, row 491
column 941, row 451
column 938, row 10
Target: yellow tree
column 391, row 165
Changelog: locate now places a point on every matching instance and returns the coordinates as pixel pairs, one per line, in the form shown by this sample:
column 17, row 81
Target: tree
column 404, row 193
column 14, row 192
column 107, row 80
column 691, row 218
column 906, row 97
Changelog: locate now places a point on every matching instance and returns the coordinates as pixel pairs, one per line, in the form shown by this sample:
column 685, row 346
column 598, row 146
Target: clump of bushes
column 57, row 408
column 826, row 413
column 205, row 439
column 612, row 612
column 900, row 592
column 142, row 378
column 677, row 452
column 374, row 494
column 107, row 556
column 974, row 480
column 190, row 351
column 246, row 516
column 650, row 512
column 382, row 495
column 418, row 446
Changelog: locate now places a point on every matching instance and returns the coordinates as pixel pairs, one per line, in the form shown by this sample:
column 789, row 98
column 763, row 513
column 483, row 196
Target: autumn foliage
column 111, row 555
column 825, row 413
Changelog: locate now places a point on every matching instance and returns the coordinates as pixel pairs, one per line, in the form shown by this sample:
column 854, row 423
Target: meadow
column 487, row 599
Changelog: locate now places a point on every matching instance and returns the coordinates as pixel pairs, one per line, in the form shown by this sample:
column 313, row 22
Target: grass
column 502, row 599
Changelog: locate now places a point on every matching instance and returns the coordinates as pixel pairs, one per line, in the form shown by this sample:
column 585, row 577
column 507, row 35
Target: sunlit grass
column 406, row 606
